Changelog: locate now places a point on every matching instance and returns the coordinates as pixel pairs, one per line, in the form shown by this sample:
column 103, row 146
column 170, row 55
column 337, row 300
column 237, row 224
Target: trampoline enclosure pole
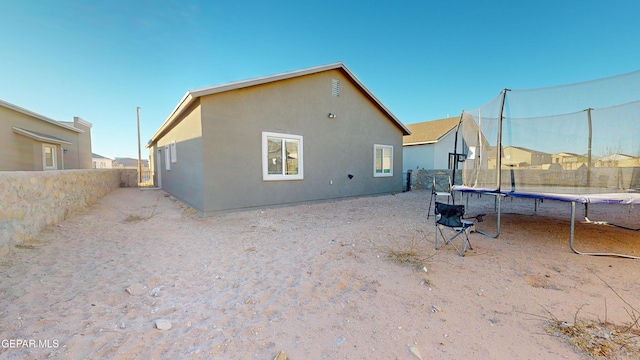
column 499, row 154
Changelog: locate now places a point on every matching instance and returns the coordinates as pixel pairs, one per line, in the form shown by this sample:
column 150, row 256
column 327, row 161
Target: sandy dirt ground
column 313, row 281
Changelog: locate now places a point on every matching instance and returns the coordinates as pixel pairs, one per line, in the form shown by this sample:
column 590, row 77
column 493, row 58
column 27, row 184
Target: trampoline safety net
column 581, row 138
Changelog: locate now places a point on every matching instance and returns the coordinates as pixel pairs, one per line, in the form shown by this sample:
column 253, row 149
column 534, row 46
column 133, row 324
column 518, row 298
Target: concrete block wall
column 601, row 178
column 32, row 200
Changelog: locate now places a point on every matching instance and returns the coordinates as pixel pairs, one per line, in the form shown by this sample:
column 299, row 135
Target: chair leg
column 429, row 209
column 465, row 243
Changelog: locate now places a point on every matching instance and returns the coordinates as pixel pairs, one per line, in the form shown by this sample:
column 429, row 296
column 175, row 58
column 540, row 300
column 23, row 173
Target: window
column 281, row 157
column 174, row 154
column 451, row 161
column 49, row 157
column 382, row 160
column 167, row 157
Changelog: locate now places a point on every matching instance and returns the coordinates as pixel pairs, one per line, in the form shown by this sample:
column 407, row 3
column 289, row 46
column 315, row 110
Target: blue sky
column 424, row 60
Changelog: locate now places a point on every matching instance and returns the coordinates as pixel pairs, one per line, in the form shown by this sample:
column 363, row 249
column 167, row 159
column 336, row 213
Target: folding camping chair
column 450, row 216
column 438, row 191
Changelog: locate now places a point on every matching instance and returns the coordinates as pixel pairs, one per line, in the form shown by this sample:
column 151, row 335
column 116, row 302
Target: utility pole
column 139, row 153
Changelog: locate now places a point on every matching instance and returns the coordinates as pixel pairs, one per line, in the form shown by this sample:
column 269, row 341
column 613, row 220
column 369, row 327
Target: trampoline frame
column 599, row 198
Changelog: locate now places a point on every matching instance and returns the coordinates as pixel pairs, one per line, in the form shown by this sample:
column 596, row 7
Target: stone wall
column 423, row 179
column 31, row 200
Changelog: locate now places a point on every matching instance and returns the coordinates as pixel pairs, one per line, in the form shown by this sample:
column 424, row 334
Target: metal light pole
column 139, row 153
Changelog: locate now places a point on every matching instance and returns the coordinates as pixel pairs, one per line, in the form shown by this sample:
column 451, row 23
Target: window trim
column 167, row 157
column 375, row 150
column 265, row 159
column 54, row 151
column 174, row 153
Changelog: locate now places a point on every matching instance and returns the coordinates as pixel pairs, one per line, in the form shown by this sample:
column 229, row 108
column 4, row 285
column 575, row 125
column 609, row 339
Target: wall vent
column 335, row 87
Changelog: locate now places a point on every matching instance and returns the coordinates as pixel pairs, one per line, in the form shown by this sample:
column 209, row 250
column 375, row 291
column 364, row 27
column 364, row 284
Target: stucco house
column 302, row 136
column 35, row 142
column 130, row 163
column 101, row 162
column 520, row 157
column 430, row 145
column 618, row 160
column 570, row 161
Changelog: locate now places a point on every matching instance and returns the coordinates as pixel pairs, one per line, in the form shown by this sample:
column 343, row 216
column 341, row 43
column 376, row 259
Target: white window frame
column 174, row 153
column 167, row 157
column 54, row 151
column 265, row 157
column 375, row 151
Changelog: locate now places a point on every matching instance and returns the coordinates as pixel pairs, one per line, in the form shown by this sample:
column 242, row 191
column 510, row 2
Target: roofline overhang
column 38, row 137
column 421, row 143
column 38, row 116
column 192, row 95
column 83, row 122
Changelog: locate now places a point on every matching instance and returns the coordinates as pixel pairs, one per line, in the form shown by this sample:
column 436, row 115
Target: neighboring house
column 519, row 157
column 430, row 145
column 618, row 160
column 130, row 163
column 31, row 141
column 102, row 162
column 570, row 161
column 301, row 136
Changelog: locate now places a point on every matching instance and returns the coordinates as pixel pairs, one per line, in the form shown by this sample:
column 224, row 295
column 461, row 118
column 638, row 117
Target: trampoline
column 544, row 194
column 576, row 143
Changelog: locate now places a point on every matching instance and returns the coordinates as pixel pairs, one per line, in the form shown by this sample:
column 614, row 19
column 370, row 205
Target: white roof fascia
column 37, row 116
column 375, row 99
column 420, row 143
column 186, row 100
column 83, row 122
column 447, row 133
column 191, row 95
column 265, row 79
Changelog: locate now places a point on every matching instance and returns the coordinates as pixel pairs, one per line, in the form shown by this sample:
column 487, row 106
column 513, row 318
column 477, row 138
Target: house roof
column 616, row 157
column 568, row 154
column 38, row 116
column 526, row 149
column 130, row 161
column 40, row 136
column 97, row 156
column 192, row 95
column 429, row 132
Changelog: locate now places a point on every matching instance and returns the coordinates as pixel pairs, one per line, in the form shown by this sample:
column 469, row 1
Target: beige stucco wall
column 21, row 153
column 185, row 179
column 83, row 144
column 31, row 200
column 102, row 163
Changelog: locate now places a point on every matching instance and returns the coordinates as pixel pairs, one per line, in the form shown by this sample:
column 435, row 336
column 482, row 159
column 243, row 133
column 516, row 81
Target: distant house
column 32, row 141
column 431, row 145
column 618, row 160
column 129, row 163
column 301, row 136
column 101, row 162
column 570, row 161
column 519, row 157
